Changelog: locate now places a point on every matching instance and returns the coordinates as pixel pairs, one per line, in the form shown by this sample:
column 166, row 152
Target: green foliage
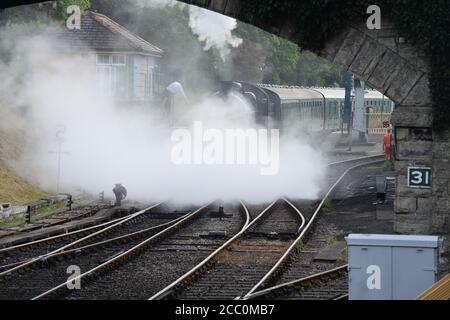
column 14, row 222
column 343, row 256
column 315, row 71
column 35, row 215
column 264, row 57
column 300, row 245
column 43, row 211
column 40, row 15
column 249, row 59
column 60, row 12
column 330, row 240
column 25, row 15
column 327, row 204
column 387, row 166
column 423, row 23
column 283, row 58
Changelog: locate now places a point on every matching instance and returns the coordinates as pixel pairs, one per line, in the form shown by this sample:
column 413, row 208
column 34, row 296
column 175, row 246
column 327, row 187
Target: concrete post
column 359, row 125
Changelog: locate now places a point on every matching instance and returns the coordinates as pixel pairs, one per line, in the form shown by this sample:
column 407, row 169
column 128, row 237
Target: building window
column 118, row 60
column 149, row 83
column 111, row 75
column 103, row 59
column 152, row 81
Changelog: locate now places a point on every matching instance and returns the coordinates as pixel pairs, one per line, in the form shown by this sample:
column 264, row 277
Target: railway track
column 65, row 215
column 327, row 285
column 12, row 255
column 336, row 169
column 237, row 265
column 57, row 217
column 17, row 258
column 51, row 269
column 226, row 275
column 152, row 263
column 298, row 260
column 254, row 259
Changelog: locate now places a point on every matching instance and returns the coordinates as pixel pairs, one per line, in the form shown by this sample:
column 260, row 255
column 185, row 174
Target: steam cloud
column 109, row 142
column 213, row 29
column 158, row 3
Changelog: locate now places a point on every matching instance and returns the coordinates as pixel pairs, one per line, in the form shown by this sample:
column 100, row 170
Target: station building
column 125, row 66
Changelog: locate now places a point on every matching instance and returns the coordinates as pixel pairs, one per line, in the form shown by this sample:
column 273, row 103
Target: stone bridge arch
column 388, row 63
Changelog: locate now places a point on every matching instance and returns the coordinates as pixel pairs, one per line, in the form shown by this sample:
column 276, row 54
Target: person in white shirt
column 171, row 91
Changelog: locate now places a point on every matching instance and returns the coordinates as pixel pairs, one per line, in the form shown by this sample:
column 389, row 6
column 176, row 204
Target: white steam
column 158, row 3
column 108, row 143
column 214, row 29
column 211, row 28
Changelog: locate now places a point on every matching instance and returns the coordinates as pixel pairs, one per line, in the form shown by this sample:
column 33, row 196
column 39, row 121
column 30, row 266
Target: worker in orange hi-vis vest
column 387, row 144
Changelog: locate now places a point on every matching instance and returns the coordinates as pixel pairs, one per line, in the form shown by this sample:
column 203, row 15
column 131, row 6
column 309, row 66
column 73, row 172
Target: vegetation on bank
column 15, row 190
column 327, row 204
column 36, row 215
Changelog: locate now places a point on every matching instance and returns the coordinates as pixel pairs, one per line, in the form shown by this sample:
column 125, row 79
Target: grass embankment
column 15, row 190
column 36, row 215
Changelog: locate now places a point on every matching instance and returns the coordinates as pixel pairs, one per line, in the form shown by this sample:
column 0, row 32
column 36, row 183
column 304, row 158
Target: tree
column 274, row 60
column 312, row 70
column 283, row 60
column 249, row 59
column 60, row 12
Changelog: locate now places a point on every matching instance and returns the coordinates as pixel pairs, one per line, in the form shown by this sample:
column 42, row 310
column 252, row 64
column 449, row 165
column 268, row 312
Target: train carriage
column 334, row 104
column 311, row 109
column 376, row 102
column 295, row 105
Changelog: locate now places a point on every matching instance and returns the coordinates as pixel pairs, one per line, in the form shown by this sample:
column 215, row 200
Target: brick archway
column 384, row 60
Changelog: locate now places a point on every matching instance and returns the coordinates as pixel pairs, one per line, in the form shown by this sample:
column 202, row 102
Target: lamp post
column 59, row 140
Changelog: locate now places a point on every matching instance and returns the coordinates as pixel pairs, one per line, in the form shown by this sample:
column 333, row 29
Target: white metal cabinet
column 391, row 266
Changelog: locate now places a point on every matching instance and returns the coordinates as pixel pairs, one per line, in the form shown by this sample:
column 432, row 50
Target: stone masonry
column 385, row 61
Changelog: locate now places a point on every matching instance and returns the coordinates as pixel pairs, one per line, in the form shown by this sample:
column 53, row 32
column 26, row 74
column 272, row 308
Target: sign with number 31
column 419, row 177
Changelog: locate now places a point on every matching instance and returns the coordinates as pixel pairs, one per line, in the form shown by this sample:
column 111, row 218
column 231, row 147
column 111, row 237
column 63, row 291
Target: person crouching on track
column 120, row 192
